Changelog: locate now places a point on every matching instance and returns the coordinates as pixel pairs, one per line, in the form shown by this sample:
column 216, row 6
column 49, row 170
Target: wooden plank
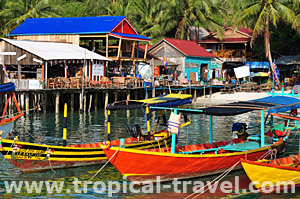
column 106, row 46
column 113, row 46
column 95, row 36
column 146, row 48
column 119, row 49
column 133, row 49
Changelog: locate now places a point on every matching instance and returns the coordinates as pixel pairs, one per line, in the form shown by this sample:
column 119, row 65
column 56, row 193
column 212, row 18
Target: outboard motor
column 240, row 129
column 134, row 130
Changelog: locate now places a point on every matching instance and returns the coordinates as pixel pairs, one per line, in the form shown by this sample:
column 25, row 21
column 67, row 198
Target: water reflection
column 92, row 127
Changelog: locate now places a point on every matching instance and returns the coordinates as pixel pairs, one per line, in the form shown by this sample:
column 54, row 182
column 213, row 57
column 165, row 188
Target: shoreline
column 218, row 98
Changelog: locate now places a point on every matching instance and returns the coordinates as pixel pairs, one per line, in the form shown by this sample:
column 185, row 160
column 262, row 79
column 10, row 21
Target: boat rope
column 297, row 132
column 159, row 146
column 105, row 164
column 17, row 113
column 48, row 156
column 166, row 146
column 212, row 183
column 11, row 146
column 267, row 153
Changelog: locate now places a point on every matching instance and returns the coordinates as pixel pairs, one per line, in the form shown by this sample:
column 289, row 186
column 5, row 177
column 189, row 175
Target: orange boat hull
column 146, row 165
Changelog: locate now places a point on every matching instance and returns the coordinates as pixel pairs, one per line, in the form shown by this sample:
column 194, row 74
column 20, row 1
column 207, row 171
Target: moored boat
column 271, row 176
column 30, row 157
column 191, row 161
column 7, row 120
column 276, row 174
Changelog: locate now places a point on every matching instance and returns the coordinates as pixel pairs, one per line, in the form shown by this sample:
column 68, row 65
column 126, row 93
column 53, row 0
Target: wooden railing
column 232, row 53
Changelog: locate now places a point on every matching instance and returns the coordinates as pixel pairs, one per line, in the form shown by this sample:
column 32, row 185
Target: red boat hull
column 142, row 165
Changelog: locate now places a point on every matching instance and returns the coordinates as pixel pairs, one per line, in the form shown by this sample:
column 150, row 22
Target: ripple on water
column 91, row 127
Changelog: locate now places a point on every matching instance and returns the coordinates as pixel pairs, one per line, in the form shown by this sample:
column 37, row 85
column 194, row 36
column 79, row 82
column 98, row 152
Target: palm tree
column 2, row 19
column 147, row 17
column 120, row 8
column 96, row 8
column 182, row 14
column 260, row 13
column 18, row 10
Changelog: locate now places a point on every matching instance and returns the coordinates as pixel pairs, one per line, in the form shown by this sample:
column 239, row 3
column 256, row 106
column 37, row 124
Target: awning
column 169, row 100
column 129, row 36
column 288, row 60
column 258, row 65
column 272, row 104
column 56, row 51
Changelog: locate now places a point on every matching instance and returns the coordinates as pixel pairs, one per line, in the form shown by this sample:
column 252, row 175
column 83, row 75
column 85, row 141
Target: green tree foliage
column 259, row 14
column 174, row 18
column 16, row 11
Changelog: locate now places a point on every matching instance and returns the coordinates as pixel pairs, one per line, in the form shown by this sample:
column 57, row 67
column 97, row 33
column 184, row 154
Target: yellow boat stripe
column 8, row 157
column 131, row 174
column 194, row 156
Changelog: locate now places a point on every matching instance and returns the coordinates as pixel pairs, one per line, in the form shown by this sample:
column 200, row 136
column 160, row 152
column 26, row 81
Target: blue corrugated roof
column 67, row 25
column 130, row 36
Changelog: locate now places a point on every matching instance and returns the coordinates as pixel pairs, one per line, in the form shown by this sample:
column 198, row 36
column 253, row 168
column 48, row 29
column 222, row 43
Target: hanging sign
column 98, row 69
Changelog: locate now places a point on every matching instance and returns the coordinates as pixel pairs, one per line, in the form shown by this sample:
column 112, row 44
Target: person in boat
column 241, row 130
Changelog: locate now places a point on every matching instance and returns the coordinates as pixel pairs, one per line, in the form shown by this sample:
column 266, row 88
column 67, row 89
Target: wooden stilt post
column 44, row 95
column 65, row 126
column 96, row 101
column 22, row 101
column 116, row 96
column 84, row 102
column 90, row 104
column 72, row 101
column 27, row 103
column 106, row 99
column 195, row 95
column 57, row 102
column 128, row 95
column 80, row 102
column 210, row 91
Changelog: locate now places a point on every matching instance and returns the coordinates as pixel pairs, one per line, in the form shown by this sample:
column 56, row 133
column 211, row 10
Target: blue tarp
column 258, row 65
column 7, row 87
column 272, row 104
column 67, row 25
column 284, row 103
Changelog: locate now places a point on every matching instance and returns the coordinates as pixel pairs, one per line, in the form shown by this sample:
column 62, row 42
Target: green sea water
column 91, row 127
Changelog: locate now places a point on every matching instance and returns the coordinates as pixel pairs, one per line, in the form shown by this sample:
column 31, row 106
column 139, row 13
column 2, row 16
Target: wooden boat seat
column 246, row 146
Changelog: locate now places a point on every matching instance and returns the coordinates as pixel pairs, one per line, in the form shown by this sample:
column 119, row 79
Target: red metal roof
column 246, row 30
column 143, row 47
column 189, row 48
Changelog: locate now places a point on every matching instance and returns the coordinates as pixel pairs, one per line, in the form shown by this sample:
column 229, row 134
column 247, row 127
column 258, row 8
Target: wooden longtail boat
column 276, row 174
column 7, row 122
column 30, row 157
column 191, row 161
